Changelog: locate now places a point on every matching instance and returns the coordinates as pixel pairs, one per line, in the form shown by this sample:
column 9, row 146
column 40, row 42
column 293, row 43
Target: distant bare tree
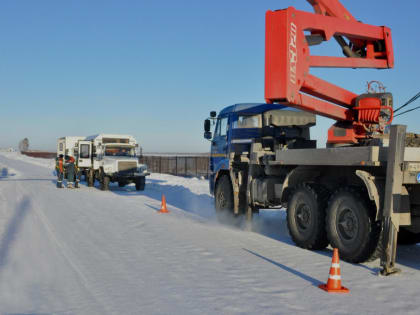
column 24, row 145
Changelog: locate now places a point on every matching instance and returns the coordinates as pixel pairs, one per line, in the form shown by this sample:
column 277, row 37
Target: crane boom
column 290, row 33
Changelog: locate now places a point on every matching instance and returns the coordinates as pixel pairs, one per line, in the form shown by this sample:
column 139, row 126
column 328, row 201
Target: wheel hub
column 303, row 216
column 347, row 224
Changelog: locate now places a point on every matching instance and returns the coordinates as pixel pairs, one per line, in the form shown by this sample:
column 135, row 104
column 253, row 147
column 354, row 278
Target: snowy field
column 87, row 251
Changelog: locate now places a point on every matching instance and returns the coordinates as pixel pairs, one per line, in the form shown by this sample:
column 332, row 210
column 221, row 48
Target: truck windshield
column 119, row 151
column 247, row 121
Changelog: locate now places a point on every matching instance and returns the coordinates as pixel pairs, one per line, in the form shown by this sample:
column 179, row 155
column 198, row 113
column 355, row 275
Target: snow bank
column 49, row 163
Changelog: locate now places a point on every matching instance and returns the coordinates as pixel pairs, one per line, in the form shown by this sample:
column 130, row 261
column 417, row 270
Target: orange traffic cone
column 163, row 208
column 334, row 279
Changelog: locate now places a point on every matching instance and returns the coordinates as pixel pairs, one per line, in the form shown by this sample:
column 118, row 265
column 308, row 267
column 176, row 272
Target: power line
column 407, row 111
column 408, row 102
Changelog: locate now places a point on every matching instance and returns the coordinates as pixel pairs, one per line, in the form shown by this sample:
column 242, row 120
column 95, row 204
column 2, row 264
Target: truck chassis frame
column 384, row 173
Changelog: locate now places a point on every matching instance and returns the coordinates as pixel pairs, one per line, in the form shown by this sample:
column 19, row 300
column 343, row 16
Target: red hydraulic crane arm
column 331, row 8
column 335, row 9
column 290, row 33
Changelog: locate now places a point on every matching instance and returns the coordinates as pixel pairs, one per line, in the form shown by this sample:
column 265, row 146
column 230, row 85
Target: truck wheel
column 306, row 218
column 140, row 183
column 406, row 237
column 223, row 200
column 223, row 196
column 90, row 178
column 351, row 226
column 105, row 183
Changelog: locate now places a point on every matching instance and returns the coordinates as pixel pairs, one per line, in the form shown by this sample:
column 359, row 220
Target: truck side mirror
column 213, row 114
column 207, row 125
column 207, row 132
column 207, row 135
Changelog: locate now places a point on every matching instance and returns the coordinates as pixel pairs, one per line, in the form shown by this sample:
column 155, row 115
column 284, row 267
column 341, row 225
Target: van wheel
column 105, row 183
column 140, row 183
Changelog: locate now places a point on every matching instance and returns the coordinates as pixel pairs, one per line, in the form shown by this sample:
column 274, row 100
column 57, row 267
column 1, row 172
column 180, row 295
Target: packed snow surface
column 87, row 251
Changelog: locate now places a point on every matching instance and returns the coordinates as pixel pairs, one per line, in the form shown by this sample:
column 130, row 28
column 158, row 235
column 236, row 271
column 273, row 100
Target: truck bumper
column 126, row 177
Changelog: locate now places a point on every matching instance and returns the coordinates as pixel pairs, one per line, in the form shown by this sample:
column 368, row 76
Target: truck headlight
column 142, row 169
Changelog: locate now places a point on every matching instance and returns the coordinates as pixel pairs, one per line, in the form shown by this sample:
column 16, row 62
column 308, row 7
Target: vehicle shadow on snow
column 313, row 281
column 273, row 223
column 409, row 256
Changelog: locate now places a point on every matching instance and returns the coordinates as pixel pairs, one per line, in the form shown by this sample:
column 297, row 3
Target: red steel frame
column 288, row 59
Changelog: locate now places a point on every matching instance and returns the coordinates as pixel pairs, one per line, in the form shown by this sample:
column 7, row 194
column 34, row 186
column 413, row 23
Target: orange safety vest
column 60, row 165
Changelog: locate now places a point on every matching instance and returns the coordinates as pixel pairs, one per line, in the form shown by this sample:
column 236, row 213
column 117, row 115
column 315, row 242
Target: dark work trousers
column 77, row 175
column 60, row 177
column 70, row 173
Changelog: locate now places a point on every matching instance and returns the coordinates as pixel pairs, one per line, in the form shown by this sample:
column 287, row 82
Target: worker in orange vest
column 59, row 170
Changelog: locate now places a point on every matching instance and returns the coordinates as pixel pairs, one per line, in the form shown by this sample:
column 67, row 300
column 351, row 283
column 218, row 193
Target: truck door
column 219, row 144
column 61, row 147
column 85, row 154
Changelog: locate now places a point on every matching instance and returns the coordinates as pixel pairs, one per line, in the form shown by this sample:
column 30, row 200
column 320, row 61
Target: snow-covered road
column 87, row 251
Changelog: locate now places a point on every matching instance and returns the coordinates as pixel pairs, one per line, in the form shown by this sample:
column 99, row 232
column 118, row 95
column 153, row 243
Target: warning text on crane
column 293, row 52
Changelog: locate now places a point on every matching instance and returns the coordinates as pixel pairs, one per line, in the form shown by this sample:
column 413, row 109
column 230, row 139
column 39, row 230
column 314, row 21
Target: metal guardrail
column 40, row 154
column 188, row 165
column 177, row 165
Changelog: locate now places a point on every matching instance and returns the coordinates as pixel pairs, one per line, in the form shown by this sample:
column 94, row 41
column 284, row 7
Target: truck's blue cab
column 235, row 128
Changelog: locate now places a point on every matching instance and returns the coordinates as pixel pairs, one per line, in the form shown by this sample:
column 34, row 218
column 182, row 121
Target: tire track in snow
column 61, row 247
column 13, row 227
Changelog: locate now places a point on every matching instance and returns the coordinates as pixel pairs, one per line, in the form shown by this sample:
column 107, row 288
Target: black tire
column 223, row 201
column 406, row 237
column 121, row 184
column 90, row 178
column 351, row 226
column 223, row 197
column 105, row 183
column 140, row 183
column 306, row 218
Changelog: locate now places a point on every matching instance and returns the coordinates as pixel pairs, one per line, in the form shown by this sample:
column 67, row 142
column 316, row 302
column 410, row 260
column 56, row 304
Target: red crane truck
column 359, row 193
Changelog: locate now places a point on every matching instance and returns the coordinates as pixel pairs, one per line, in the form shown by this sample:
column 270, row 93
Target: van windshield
column 114, row 150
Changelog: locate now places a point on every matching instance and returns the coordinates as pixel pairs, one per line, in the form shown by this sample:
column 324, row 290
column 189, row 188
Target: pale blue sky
column 155, row 69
